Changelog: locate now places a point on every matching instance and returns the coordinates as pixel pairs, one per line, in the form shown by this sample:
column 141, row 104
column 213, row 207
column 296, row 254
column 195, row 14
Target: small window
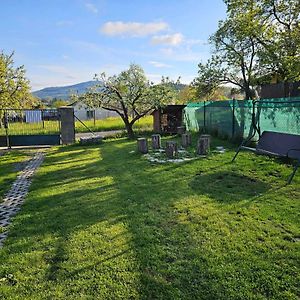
column 90, row 114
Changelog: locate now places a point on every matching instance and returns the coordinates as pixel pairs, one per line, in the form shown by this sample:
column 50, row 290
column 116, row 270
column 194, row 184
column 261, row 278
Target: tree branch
column 228, row 80
column 112, row 109
column 277, row 17
column 140, row 116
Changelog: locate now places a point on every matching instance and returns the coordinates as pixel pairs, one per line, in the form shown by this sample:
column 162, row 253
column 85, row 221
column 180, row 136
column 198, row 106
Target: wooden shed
column 280, row 90
column 168, row 118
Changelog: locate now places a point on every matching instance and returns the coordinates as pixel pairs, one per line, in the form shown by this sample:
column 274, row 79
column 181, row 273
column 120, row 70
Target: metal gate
column 29, row 127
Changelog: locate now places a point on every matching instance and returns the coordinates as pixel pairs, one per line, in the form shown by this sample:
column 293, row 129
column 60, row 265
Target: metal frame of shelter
column 260, row 146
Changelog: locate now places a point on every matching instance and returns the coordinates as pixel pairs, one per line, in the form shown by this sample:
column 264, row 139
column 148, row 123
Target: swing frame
column 271, row 143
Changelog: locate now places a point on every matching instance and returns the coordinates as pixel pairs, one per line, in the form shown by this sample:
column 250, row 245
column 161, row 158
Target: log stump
column 181, row 129
column 171, row 149
column 156, row 142
column 203, row 145
column 186, row 140
column 142, row 145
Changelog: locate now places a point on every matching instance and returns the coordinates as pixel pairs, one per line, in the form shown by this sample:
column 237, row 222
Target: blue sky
column 63, row 42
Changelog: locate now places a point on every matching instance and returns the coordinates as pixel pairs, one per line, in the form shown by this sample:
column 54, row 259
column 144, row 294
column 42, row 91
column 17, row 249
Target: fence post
column 6, row 129
column 204, row 116
column 43, row 119
column 233, row 117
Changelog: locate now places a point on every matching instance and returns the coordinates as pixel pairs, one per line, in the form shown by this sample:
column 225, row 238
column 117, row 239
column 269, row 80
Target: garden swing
column 271, row 143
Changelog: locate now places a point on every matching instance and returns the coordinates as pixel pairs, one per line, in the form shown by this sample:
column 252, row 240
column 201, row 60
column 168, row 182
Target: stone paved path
column 13, row 200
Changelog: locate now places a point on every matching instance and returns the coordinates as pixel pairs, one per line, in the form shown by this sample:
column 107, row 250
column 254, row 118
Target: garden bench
column 282, row 145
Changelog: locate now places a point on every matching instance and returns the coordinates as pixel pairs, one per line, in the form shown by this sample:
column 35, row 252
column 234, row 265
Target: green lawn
column 52, row 127
column 114, row 123
column 104, row 223
column 46, row 127
column 11, row 162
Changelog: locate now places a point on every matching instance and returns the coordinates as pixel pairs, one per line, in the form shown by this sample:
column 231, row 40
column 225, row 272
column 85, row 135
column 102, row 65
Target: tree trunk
column 1, row 118
column 248, row 94
column 129, row 129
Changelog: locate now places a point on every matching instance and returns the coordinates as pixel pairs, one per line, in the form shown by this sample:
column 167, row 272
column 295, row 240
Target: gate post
column 204, row 117
column 67, row 129
column 6, row 129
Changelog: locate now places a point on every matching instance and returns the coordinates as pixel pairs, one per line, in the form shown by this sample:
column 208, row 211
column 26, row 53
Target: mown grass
column 11, row 162
column 52, row 127
column 114, row 123
column 104, row 223
column 23, row 128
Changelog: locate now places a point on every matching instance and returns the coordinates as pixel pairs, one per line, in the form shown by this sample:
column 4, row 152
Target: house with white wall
column 83, row 112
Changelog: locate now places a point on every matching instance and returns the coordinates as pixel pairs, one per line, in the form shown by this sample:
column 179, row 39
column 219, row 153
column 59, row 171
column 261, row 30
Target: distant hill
column 63, row 92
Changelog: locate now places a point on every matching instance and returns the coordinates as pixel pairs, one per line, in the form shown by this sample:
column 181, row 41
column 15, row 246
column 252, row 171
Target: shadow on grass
column 226, row 186
column 175, row 252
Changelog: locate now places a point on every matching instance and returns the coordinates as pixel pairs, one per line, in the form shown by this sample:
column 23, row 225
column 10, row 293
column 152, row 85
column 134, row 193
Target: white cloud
column 168, row 39
column 91, row 7
column 158, row 64
column 133, row 29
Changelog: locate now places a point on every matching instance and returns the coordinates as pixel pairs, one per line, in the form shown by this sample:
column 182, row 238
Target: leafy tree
column 221, row 93
column 234, row 61
column 14, row 87
column 187, row 94
column 32, row 101
column 282, row 49
column 129, row 94
column 275, row 26
column 259, row 40
column 59, row 102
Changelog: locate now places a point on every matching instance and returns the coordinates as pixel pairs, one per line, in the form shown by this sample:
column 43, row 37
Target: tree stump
column 171, row 149
column 142, row 144
column 156, row 143
column 203, row 144
column 186, row 140
column 181, row 129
